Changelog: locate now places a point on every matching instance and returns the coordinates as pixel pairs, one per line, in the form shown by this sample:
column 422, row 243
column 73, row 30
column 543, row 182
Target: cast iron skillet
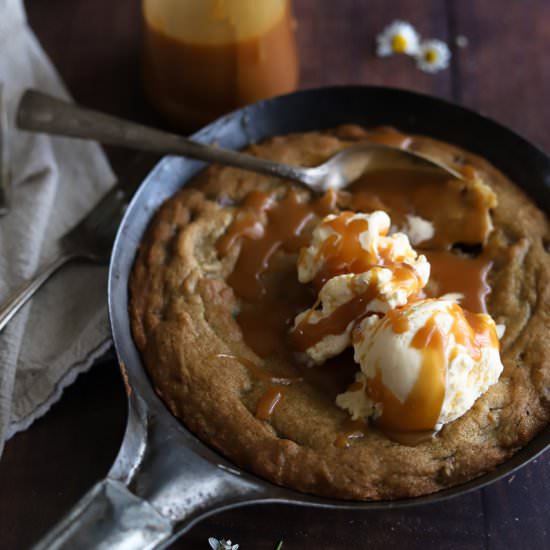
column 164, row 479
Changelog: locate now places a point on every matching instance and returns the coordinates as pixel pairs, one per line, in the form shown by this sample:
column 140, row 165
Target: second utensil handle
column 5, row 175
column 40, row 112
column 20, row 296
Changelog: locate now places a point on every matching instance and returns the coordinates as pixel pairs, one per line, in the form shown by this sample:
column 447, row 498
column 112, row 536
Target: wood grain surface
column 503, row 72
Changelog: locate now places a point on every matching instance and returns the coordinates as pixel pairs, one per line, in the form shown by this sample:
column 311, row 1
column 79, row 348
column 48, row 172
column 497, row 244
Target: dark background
column 504, row 72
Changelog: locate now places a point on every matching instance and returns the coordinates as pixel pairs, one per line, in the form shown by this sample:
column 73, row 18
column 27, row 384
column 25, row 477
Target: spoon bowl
column 351, row 163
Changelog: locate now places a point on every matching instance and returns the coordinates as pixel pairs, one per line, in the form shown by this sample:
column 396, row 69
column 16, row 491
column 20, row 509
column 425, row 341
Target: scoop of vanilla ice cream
column 418, row 229
column 355, row 399
column 378, row 247
column 388, row 353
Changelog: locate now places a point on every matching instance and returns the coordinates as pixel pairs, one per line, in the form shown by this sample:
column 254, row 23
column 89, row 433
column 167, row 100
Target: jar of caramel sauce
column 203, row 58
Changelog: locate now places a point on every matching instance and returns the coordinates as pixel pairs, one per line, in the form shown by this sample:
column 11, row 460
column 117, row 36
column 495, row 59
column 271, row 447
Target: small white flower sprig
column 222, row 544
column 398, row 37
column 401, row 37
column 433, row 55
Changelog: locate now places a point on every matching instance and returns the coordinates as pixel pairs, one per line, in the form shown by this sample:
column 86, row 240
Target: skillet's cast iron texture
column 164, row 479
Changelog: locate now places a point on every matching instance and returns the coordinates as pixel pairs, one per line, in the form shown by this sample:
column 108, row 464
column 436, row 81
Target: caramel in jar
column 205, row 58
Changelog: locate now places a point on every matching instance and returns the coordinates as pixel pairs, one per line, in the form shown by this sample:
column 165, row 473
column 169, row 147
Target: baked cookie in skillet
column 214, row 293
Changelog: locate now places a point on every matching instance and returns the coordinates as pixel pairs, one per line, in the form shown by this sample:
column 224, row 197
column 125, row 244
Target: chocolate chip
column 193, row 215
column 471, row 250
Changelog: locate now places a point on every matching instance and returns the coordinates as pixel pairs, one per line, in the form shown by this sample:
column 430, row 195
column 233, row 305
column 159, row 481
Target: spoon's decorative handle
column 40, row 112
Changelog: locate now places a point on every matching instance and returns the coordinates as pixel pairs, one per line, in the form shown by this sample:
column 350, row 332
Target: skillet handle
column 162, row 482
column 109, row 517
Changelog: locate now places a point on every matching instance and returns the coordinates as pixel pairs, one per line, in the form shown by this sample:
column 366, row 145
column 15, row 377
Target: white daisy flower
column 399, row 37
column 433, row 56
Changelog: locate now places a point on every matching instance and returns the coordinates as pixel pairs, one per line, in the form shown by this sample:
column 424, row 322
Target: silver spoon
column 42, row 113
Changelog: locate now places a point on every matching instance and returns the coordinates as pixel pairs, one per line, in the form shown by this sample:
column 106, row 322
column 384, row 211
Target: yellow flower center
column 398, row 43
column 431, row 56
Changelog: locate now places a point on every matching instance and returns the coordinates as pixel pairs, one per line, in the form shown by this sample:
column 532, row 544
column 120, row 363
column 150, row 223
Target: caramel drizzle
column 268, row 402
column 351, row 429
column 267, row 280
column 421, row 410
column 268, row 225
column 248, row 221
column 386, row 135
column 307, row 334
column 453, row 273
column 265, row 225
column 459, row 212
column 273, row 394
column 343, row 252
column 398, row 320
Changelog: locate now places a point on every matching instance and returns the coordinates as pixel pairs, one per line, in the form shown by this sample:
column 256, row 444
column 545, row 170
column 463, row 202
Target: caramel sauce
column 268, row 402
column 193, row 79
column 453, row 273
column 248, row 222
column 399, row 321
column 468, row 171
column 273, row 394
column 389, row 136
column 485, row 333
column 306, row 334
column 458, row 212
column 271, row 231
column 343, row 252
column 351, row 429
column 266, row 323
column 284, row 225
column 420, row 411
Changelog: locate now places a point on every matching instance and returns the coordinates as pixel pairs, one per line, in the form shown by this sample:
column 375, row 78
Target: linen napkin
column 55, row 182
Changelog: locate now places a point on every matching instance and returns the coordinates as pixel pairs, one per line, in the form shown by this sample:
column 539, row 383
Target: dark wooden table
column 503, row 72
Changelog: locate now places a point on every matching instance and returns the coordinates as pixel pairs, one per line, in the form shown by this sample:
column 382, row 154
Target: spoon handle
column 40, row 112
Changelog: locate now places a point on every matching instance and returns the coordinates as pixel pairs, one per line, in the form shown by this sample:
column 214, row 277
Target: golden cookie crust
column 182, row 315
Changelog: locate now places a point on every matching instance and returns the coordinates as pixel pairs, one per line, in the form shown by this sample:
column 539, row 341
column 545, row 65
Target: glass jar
column 203, row 58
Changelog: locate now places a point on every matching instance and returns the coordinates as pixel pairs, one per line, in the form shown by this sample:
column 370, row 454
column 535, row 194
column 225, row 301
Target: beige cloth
column 55, row 181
